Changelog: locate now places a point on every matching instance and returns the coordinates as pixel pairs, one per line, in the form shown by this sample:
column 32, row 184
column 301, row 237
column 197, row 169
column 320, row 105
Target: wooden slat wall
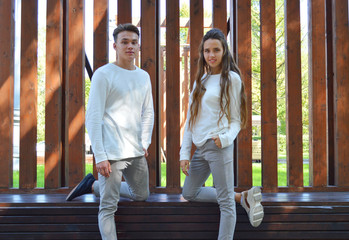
column 172, row 96
column 195, row 32
column 75, row 94
column 6, row 90
column 28, row 105
column 220, row 15
column 268, row 95
column 341, row 91
column 243, row 39
column 124, row 11
column 54, row 81
column 65, row 156
column 149, row 62
column 293, row 94
column 317, row 95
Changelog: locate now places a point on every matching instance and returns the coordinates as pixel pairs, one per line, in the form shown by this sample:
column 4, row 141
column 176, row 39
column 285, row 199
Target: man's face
column 126, row 46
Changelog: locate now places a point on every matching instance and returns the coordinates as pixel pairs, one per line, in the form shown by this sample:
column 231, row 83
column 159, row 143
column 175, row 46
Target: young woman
column 217, row 111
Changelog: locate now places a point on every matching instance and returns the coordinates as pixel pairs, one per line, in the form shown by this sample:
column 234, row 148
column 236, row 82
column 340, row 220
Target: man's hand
column 104, row 168
column 185, row 167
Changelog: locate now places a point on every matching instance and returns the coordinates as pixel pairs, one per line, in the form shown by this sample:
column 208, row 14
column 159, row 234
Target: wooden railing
column 65, row 105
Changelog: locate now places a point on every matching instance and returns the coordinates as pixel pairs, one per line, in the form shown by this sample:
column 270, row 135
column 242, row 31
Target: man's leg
column 109, row 189
column 136, row 175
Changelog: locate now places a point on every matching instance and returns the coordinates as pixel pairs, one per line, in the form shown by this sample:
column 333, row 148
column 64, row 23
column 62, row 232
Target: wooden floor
column 162, row 216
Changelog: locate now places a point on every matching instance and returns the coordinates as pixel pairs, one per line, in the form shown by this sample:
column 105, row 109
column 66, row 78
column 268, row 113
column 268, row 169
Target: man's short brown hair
column 124, row 27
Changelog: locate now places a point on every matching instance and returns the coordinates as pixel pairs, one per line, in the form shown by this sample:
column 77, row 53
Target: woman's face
column 213, row 54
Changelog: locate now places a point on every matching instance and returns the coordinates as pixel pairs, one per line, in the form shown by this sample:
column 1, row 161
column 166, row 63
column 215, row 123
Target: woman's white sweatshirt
column 207, row 125
column 120, row 114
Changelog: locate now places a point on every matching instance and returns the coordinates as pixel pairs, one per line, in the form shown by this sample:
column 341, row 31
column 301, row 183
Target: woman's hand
column 185, row 166
column 146, row 154
column 104, row 168
column 217, row 141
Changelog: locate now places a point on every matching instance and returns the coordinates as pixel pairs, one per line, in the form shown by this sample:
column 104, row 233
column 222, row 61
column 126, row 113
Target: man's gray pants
column 136, row 187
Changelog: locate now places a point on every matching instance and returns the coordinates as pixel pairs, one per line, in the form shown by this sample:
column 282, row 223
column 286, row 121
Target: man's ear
column 114, row 46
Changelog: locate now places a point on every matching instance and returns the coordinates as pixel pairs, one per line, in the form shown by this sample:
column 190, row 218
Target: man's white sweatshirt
column 120, row 114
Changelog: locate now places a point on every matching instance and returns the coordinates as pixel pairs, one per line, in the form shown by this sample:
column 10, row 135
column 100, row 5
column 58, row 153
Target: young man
column 119, row 121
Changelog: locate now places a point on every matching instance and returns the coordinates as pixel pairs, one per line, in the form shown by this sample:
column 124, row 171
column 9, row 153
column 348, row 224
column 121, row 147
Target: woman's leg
column 222, row 168
column 199, row 171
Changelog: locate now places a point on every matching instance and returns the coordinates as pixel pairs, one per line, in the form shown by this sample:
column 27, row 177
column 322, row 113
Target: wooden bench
column 168, row 216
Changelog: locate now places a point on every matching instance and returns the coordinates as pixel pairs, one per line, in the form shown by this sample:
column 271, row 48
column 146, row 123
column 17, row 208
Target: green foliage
column 41, row 85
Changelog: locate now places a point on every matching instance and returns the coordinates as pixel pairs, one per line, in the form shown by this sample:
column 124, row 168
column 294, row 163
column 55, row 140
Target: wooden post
column 28, row 105
column 243, row 38
column 268, row 95
column 172, row 96
column 75, row 94
column 124, row 11
column 293, row 95
column 6, row 91
column 195, row 33
column 150, row 63
column 220, row 15
column 341, row 91
column 53, row 109
column 101, row 33
column 100, row 41
column 317, row 95
column 330, row 98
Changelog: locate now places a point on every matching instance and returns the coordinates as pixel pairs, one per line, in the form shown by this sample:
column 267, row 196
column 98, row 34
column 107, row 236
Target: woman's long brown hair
column 228, row 64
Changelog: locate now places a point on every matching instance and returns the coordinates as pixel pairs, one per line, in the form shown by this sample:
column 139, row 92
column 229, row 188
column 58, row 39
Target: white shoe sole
column 256, row 213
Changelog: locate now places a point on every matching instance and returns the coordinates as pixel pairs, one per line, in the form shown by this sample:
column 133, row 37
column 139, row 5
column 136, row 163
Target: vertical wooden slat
column 220, row 15
column 28, row 105
column 149, row 63
column 195, row 33
column 100, row 40
column 293, row 94
column 6, row 91
column 317, row 95
column 330, row 99
column 101, row 33
column 243, row 39
column 268, row 95
column 341, row 90
column 124, row 11
column 74, row 90
column 53, row 110
column 172, row 94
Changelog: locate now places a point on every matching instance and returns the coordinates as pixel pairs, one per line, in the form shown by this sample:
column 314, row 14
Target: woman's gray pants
column 211, row 159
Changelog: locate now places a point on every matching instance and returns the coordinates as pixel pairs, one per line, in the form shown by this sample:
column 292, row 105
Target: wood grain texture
column 7, row 30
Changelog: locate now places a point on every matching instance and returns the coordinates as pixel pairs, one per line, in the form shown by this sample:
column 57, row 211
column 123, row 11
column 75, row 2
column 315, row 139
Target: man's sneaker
column 253, row 206
column 85, row 186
